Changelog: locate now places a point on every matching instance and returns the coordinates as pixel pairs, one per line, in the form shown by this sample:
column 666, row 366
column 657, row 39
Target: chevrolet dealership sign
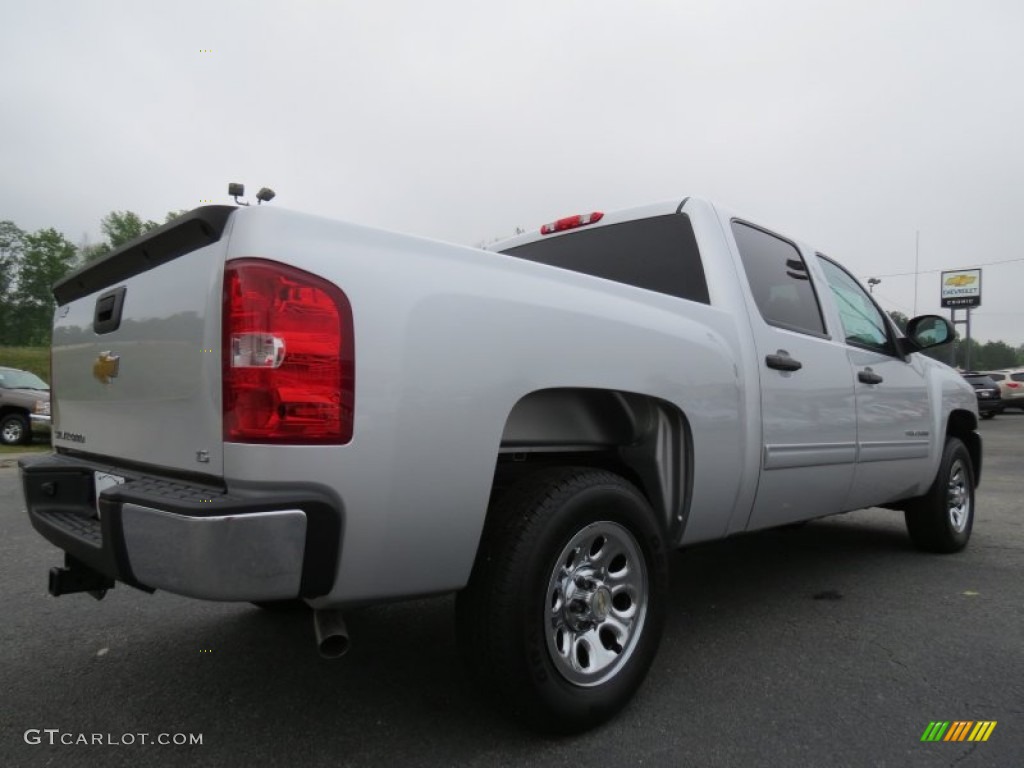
column 962, row 288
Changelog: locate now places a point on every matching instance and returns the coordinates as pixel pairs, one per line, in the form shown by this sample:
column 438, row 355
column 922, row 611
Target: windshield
column 10, row 379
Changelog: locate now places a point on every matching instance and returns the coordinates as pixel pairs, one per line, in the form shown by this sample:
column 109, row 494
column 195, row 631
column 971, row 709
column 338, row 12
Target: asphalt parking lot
column 831, row 645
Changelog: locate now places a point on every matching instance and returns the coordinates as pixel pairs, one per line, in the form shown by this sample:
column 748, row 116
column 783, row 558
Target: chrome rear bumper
column 257, row 543
column 255, row 556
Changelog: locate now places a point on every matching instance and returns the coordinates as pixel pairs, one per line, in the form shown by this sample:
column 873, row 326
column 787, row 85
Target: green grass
column 36, row 447
column 34, row 359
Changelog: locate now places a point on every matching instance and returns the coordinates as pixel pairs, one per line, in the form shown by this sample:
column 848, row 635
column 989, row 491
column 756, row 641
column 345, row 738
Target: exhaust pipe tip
column 333, row 647
column 331, row 634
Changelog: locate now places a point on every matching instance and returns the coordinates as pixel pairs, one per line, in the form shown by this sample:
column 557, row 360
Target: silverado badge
column 106, row 366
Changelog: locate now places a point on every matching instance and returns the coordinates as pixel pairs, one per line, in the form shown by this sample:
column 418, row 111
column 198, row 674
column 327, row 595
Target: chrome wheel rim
column 958, row 496
column 596, row 603
column 12, row 432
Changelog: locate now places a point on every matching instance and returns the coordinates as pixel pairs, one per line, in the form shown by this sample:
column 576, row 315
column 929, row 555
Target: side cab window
column 864, row 324
column 779, row 280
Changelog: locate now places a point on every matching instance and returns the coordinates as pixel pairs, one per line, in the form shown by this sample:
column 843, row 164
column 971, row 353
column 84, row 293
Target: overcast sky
column 849, row 125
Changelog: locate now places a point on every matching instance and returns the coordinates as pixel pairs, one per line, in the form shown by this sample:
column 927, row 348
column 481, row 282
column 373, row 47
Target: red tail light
column 288, row 357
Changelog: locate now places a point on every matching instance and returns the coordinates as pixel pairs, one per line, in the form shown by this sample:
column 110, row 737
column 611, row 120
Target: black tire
column 798, row 525
column 565, row 546
column 989, row 415
column 15, row 429
column 942, row 519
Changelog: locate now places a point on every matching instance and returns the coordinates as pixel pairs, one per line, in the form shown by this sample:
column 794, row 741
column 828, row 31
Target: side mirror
column 930, row 331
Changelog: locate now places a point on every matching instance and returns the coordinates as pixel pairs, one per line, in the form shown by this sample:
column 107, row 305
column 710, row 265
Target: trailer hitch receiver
column 76, row 576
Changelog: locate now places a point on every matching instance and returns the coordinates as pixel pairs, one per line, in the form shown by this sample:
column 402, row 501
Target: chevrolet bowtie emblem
column 960, row 280
column 106, row 366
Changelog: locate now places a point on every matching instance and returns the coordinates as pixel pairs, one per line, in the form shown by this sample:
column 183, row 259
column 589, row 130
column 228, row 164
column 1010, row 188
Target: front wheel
column 942, row 519
column 565, row 606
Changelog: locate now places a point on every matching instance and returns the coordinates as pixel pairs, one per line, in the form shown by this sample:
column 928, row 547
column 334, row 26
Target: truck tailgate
column 136, row 349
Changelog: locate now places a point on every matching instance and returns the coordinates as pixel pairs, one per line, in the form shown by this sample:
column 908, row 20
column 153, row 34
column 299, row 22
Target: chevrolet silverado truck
column 252, row 404
column 24, row 406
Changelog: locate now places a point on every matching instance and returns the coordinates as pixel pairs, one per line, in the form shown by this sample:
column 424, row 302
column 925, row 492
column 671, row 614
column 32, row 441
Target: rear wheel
column 564, row 610
column 15, row 429
column 942, row 519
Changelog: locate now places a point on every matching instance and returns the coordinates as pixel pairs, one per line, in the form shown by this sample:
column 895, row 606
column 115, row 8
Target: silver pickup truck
column 252, row 404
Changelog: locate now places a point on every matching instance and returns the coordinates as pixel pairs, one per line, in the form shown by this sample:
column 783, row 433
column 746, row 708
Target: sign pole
column 917, row 261
column 967, row 357
column 952, row 346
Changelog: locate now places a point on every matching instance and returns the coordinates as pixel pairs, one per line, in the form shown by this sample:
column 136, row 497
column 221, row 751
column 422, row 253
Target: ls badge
column 106, row 367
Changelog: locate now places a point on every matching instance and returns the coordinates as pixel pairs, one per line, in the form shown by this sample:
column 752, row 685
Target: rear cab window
column 779, row 280
column 657, row 254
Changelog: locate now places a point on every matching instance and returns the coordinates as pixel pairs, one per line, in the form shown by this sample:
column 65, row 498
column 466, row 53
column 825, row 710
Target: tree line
column 31, row 262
